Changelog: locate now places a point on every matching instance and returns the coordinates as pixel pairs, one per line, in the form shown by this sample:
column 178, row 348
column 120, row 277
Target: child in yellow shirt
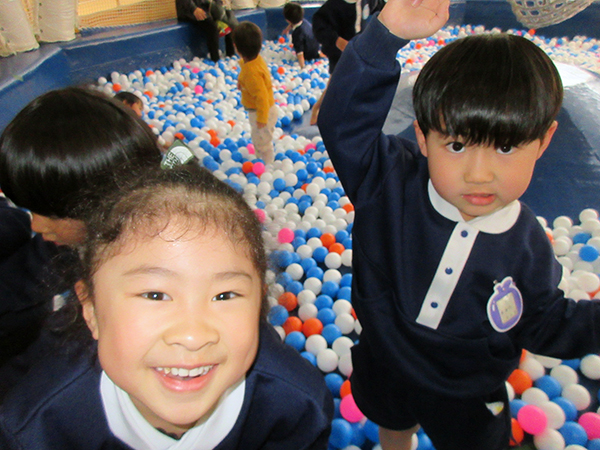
column 255, row 83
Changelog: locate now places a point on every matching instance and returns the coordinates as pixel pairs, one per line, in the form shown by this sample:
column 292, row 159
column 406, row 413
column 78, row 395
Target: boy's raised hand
column 414, row 19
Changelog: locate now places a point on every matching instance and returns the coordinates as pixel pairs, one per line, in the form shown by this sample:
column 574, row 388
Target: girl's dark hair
column 247, row 38
column 66, row 142
column 494, row 89
column 143, row 205
column 293, row 12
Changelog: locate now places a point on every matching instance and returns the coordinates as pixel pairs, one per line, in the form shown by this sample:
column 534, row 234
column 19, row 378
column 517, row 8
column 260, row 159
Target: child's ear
column 421, row 141
column 87, row 307
column 547, row 138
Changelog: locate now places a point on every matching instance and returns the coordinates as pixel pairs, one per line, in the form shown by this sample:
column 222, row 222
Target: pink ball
column 250, row 148
column 532, row 419
column 285, row 235
column 260, row 214
column 590, row 421
column 349, row 410
column 198, row 89
column 195, row 69
column 258, row 168
column 309, row 147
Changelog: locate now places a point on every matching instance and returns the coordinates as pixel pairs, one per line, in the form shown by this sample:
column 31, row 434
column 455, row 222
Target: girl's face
column 177, row 322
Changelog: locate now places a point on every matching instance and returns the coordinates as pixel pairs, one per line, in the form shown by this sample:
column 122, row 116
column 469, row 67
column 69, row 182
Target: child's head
column 131, row 100
column 247, row 39
column 293, row 13
column 63, row 146
column 494, row 91
column 173, row 290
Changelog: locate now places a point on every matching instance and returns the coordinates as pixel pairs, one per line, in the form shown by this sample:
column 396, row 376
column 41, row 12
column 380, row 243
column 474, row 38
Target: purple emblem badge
column 505, row 306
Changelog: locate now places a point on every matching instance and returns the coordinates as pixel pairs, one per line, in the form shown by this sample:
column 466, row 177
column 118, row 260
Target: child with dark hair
column 132, row 101
column 305, row 45
column 453, row 275
column 254, row 80
column 56, row 154
column 172, row 288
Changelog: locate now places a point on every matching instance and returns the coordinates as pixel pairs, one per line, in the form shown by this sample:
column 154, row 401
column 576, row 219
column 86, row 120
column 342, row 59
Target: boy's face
column 479, row 180
column 58, row 230
column 138, row 108
column 184, row 301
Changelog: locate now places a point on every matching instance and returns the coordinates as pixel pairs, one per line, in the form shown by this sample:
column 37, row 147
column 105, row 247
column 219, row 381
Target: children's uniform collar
column 126, row 422
column 457, row 252
column 297, row 25
column 494, row 223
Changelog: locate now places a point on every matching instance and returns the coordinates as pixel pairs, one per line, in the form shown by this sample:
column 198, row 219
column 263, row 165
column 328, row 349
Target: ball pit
column 308, row 220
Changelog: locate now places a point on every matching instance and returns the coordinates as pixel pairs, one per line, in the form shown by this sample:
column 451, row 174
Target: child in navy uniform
column 453, row 276
column 305, row 45
column 172, row 290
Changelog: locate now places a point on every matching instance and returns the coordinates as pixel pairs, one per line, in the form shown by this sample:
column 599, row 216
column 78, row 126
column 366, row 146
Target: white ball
column 510, row 391
column 533, row 367
column 562, row 221
column 304, row 251
column 280, row 332
column 342, row 306
column 307, row 311
column 565, row 375
column 315, row 343
column 590, row 367
column 333, row 260
column 347, row 257
column 549, row 439
column 554, row 413
column 313, row 284
column 345, row 364
column 547, row 361
column 345, row 322
column 306, row 296
column 534, row 396
column 327, row 360
column 332, row 275
column 342, row 345
column 295, row 271
column 579, row 395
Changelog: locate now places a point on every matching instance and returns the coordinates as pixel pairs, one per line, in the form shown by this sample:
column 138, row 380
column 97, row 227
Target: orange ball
column 345, row 389
column 520, row 381
column 517, row 433
column 281, row 70
column 312, row 326
column 292, row 323
column 288, row 300
column 247, row 166
column 328, row 169
column 336, row 247
column 213, row 133
column 116, row 87
column 179, row 136
column 327, row 239
column 215, row 141
column 348, row 207
column 281, row 40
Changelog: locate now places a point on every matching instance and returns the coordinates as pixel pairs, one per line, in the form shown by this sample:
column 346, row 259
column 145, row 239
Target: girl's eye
column 455, row 147
column 224, row 296
column 158, row 296
column 505, row 149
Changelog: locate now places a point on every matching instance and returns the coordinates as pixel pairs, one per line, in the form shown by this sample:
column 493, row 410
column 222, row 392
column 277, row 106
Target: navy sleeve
column 356, row 105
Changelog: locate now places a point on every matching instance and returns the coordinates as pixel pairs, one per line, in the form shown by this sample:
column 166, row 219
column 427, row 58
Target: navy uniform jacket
column 286, row 406
column 304, row 41
column 400, row 239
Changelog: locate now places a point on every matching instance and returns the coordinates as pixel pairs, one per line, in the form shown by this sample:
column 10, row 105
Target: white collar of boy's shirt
column 494, row 223
column 126, row 422
column 297, row 25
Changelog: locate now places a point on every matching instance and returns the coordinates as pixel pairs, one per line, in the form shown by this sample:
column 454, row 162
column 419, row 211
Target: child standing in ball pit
column 305, row 44
column 172, row 291
column 254, row 80
column 452, row 275
column 58, row 151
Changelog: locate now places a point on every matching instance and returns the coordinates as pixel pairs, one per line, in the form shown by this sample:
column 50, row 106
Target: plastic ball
column 307, row 311
column 334, row 382
column 371, row 431
column 312, row 326
column 285, row 235
column 277, row 315
column 341, row 433
column 292, row 323
column 532, row 419
column 315, row 343
column 590, row 367
column 517, row 433
column 579, row 395
column 345, row 364
column 345, row 323
column 555, row 415
column 327, row 360
column 573, row 434
column 520, row 381
column 549, row 385
column 296, row 340
column 288, row 300
column 567, row 406
column 590, row 422
column 331, row 332
column 534, row 396
column 564, row 374
column 549, row 440
column 349, row 410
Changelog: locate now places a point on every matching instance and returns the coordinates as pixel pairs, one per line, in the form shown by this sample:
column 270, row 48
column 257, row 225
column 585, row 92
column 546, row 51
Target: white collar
column 494, row 223
column 297, row 25
column 127, row 423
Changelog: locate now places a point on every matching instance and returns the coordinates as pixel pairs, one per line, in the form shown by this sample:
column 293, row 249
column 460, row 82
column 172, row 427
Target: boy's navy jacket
column 286, row 406
column 399, row 239
column 304, row 41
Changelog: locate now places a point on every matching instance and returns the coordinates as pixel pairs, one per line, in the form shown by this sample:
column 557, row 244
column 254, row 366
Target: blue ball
column 581, row 238
column 296, row 339
column 573, row 433
column 320, row 253
column 326, row 316
column 323, row 301
column 278, row 315
column 308, row 263
column 313, row 232
column 279, row 184
column 341, row 433
column 345, row 293
column 425, row 443
column 572, row 363
column 346, row 280
column 315, row 271
column 549, row 385
column 334, row 382
column 588, row 253
column 309, row 357
column 567, row 406
column 371, row 430
column 515, row 406
column 594, row 444
column 331, row 332
column 295, row 287
column 330, row 288
column 358, row 435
